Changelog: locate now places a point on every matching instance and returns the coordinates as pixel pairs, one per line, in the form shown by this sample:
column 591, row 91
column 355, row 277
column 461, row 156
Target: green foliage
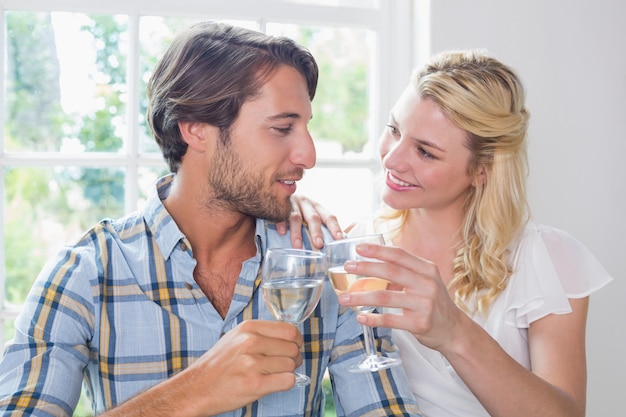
column 25, row 190
column 23, row 264
column 329, row 406
column 340, row 107
column 30, row 185
column 97, row 132
column 108, row 33
column 32, row 93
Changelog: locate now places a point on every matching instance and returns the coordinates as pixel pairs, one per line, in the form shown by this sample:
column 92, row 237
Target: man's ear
column 197, row 135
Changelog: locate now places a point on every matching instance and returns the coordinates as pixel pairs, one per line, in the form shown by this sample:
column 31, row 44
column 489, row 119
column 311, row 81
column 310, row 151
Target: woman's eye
column 425, row 153
column 392, row 129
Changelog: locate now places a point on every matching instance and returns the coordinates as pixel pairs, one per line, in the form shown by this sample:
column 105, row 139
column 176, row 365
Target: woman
column 488, row 309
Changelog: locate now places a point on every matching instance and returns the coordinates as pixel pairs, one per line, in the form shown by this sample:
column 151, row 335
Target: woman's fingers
column 416, row 299
column 315, row 216
column 398, row 267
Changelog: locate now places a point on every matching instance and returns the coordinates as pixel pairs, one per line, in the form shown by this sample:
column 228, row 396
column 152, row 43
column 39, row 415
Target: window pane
column 341, row 118
column 65, row 82
column 48, row 207
column 8, row 330
column 147, row 177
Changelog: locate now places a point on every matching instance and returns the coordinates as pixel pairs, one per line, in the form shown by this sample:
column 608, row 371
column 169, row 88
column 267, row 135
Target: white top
column 549, row 267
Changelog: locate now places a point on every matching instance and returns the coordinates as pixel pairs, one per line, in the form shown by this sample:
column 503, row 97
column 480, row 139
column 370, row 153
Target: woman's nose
column 394, row 154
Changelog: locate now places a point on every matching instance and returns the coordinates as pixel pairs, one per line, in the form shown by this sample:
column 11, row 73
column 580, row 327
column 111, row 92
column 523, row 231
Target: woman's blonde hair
column 485, row 98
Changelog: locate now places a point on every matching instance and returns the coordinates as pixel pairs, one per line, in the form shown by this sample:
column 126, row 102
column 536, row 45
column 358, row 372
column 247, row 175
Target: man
column 161, row 311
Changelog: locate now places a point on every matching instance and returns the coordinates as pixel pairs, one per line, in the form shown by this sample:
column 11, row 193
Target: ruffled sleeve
column 550, row 266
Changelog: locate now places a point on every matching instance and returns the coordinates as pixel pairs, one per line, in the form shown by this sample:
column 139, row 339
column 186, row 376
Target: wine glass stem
column 368, row 335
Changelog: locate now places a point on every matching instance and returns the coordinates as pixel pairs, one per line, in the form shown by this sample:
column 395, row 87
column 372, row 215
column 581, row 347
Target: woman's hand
column 314, row 215
column 416, row 288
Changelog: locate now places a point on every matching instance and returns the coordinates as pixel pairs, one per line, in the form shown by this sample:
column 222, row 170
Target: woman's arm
column 556, row 384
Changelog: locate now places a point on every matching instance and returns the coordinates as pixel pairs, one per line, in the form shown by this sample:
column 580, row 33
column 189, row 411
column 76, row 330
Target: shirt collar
column 158, row 219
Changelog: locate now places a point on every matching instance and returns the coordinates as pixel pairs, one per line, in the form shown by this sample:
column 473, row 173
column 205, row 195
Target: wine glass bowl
column 346, row 282
column 337, row 253
column 292, row 281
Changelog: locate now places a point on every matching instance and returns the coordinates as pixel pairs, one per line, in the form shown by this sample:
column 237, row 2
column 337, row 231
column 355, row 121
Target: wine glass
column 337, row 253
column 292, row 282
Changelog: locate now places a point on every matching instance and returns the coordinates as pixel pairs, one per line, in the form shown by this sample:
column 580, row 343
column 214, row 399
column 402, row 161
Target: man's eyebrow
column 281, row 116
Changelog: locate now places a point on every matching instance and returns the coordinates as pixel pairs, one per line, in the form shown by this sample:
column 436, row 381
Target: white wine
column 292, row 300
column 345, row 282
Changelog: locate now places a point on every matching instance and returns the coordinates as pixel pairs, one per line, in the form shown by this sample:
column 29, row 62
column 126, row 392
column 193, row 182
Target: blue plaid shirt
column 120, row 311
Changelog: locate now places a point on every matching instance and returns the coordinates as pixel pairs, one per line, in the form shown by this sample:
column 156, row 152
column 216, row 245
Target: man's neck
column 221, row 240
column 209, row 228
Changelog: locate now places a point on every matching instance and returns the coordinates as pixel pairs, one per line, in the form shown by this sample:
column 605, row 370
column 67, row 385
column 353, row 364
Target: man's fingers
column 275, row 330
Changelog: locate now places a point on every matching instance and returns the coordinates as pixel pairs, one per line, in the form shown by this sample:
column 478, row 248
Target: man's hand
column 254, row 359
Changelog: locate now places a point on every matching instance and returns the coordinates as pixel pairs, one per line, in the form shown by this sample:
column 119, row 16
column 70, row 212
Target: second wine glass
column 292, row 281
column 337, row 253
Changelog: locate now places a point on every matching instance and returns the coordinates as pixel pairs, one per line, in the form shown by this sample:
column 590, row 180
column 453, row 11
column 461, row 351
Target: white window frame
column 391, row 66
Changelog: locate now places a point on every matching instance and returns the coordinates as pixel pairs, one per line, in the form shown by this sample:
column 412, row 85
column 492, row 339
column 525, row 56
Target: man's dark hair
column 208, row 72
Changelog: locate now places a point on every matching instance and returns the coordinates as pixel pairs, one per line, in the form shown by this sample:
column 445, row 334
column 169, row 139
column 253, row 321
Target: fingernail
column 319, row 242
column 363, row 247
column 350, row 265
column 298, row 243
column 343, row 297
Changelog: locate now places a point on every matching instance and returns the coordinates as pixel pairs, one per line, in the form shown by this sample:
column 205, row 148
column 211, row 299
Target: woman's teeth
column 399, row 182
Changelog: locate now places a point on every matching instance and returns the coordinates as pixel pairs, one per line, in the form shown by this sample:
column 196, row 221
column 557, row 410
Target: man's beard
column 235, row 188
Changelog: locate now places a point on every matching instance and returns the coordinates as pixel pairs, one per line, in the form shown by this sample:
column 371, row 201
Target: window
column 75, row 146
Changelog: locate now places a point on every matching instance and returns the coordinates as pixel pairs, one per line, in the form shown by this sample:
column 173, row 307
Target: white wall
column 571, row 56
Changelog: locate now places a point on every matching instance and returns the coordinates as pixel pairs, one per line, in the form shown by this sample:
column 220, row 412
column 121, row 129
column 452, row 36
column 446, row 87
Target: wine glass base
column 375, row 364
column 302, row 380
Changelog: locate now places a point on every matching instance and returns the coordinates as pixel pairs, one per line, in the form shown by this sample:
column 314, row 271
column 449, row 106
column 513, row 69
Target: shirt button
column 183, row 246
column 188, row 286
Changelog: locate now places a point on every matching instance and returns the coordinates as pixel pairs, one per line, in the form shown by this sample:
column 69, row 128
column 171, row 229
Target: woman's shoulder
column 549, row 266
column 555, row 238
column 550, row 249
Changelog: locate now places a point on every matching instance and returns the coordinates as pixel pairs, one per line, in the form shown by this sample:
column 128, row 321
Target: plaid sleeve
column 42, row 368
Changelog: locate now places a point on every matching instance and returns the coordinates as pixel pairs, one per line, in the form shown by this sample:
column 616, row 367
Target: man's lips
column 289, row 179
column 289, row 184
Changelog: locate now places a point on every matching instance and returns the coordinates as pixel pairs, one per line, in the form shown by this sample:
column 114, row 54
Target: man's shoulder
column 126, row 228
